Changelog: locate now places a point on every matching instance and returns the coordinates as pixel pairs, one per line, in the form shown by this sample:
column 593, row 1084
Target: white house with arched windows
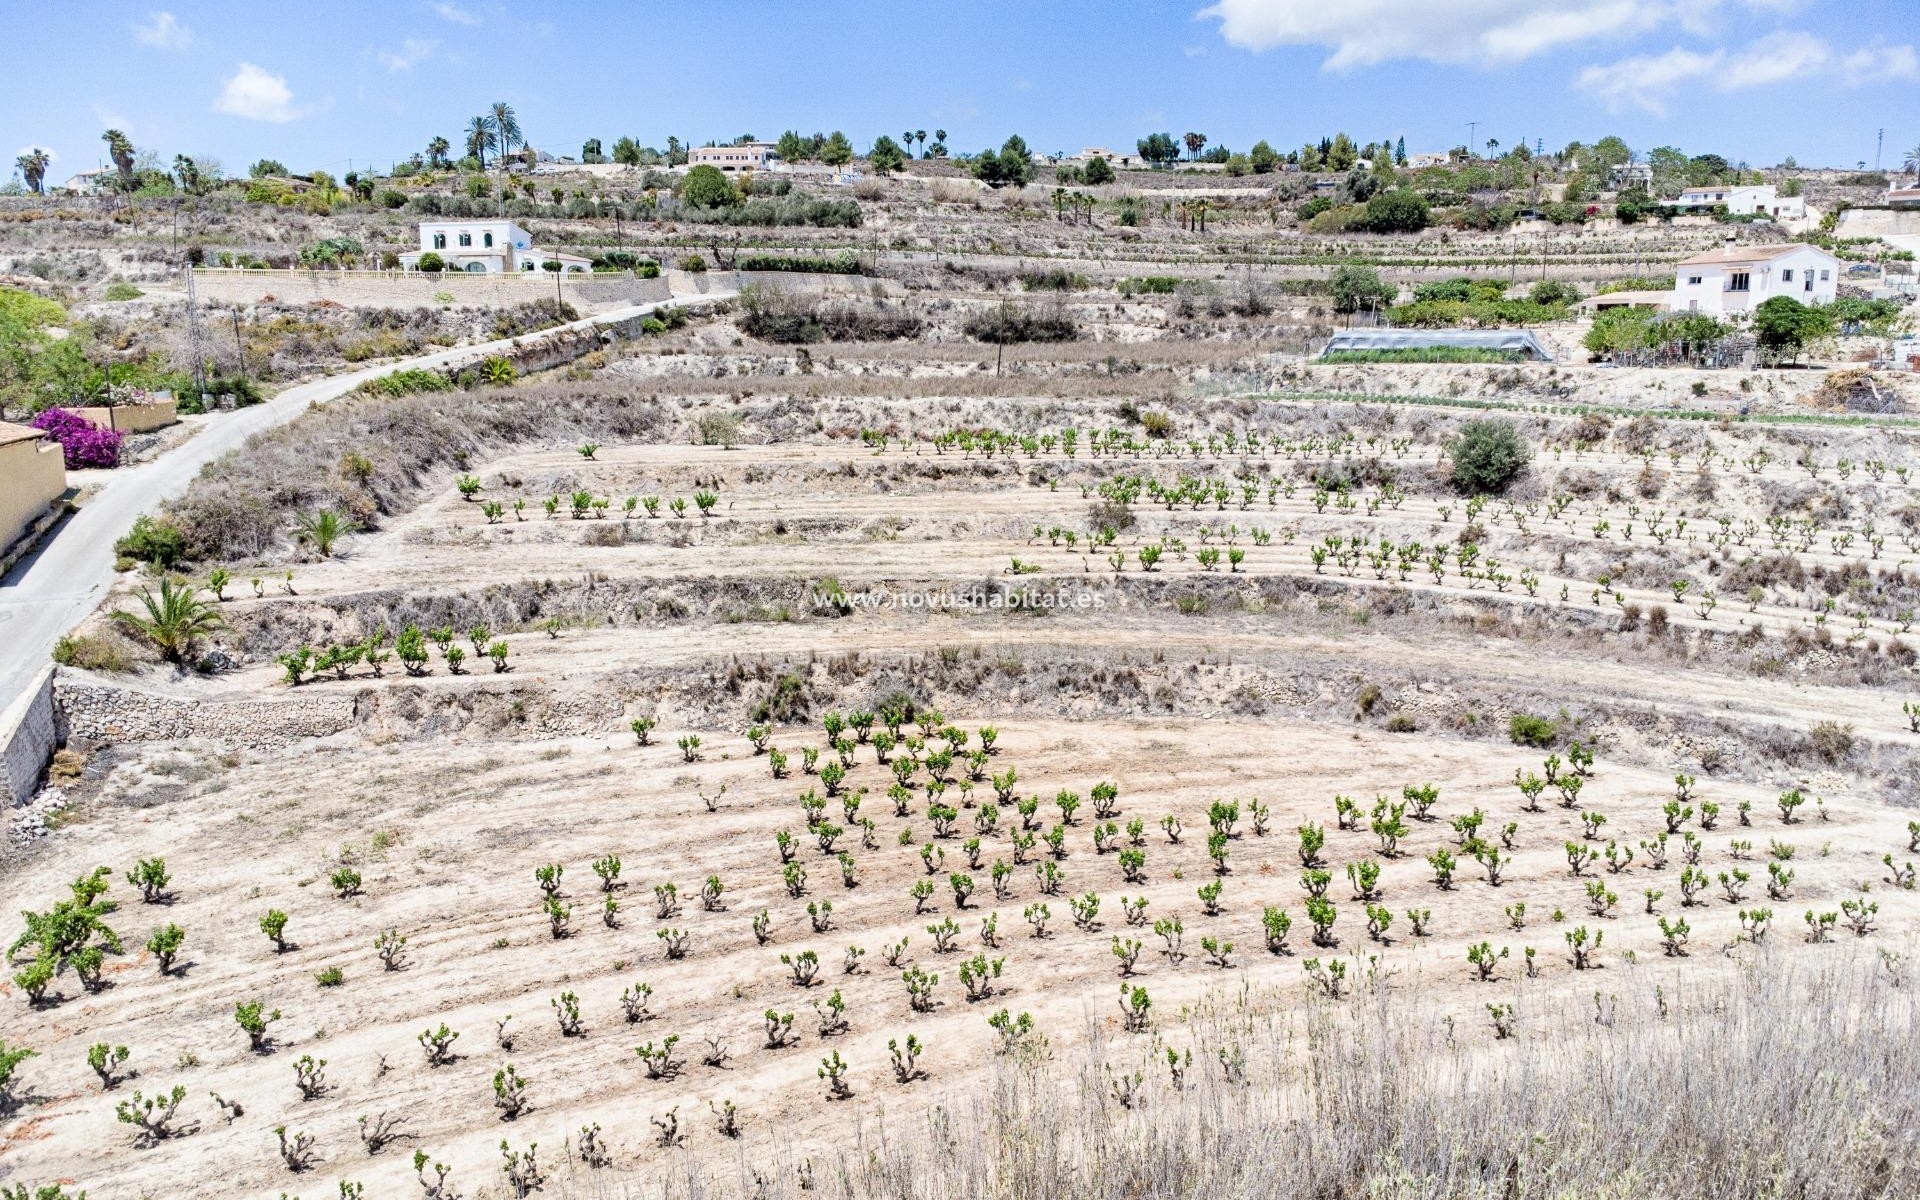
column 483, row 247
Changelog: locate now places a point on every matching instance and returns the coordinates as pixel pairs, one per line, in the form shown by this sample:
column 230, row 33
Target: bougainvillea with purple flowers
column 85, row 444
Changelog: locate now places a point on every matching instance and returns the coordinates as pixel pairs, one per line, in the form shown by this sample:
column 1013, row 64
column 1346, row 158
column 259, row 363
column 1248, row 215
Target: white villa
column 1737, row 279
column 483, row 247
column 741, row 156
column 1762, row 199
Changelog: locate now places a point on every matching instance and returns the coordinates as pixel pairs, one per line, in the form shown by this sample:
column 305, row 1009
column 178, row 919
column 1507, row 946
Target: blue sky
column 323, row 85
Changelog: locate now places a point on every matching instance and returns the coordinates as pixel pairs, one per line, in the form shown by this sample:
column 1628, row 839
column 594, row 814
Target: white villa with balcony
column 488, row 247
column 1738, row 279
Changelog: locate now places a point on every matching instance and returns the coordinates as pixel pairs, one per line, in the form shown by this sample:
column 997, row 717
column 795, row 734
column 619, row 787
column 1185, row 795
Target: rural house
column 1737, row 279
column 482, row 247
column 33, row 475
column 747, row 156
column 1741, row 200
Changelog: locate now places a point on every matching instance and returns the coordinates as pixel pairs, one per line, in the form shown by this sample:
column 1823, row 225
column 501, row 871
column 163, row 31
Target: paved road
column 54, row 588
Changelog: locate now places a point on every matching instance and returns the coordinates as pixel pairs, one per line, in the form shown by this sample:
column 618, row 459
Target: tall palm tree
column 187, row 173
column 120, row 149
column 437, row 152
column 920, row 135
column 174, row 620
column 506, row 127
column 33, row 168
column 481, row 137
column 1913, row 160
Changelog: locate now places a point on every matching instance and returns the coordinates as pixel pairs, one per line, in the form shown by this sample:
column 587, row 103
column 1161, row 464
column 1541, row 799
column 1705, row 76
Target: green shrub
column 153, row 540
column 1148, row 285
column 1487, row 455
column 1054, row 279
column 1552, row 291
column 124, row 291
column 839, row 264
column 1525, row 729
column 92, row 652
column 407, row 382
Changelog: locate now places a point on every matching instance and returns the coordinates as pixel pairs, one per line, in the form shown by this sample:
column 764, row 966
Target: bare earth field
column 1275, row 684
column 878, row 762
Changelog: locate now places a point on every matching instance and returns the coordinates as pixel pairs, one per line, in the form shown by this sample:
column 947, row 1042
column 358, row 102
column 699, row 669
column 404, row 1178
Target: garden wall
column 133, row 418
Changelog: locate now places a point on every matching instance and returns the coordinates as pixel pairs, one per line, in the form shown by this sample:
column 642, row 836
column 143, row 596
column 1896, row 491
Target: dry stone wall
column 97, row 713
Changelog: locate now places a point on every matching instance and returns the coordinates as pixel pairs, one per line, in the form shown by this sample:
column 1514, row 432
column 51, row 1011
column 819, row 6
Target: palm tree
column 480, row 139
column 437, row 152
column 120, row 149
column 174, row 620
column 1195, row 143
column 1913, row 160
column 506, row 127
column 33, row 168
column 187, row 173
column 920, row 135
column 323, row 529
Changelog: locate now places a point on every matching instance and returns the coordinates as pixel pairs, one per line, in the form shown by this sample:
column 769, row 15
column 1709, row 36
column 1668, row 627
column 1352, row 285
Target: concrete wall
column 404, row 289
column 133, row 418
column 29, row 734
column 1869, row 222
column 33, row 474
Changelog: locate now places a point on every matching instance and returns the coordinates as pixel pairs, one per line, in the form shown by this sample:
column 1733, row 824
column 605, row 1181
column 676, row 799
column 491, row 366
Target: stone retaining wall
column 414, row 289
column 100, row 713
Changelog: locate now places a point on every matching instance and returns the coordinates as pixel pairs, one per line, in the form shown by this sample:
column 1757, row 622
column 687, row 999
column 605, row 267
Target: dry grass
column 1772, row 1080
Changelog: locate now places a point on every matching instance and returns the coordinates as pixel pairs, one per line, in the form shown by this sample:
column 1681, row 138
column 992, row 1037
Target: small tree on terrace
column 1012, row 166
column 836, row 151
column 1097, row 172
column 707, row 187
column 1785, row 325
column 1356, row 288
column 1487, row 455
column 1158, row 148
column 1396, row 211
column 886, row 155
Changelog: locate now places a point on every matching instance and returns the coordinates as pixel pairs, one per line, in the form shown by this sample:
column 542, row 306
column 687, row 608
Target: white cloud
column 163, row 31
column 411, row 52
column 1362, row 33
column 1880, row 64
column 1650, row 81
column 449, row 11
column 1647, row 80
column 258, row 95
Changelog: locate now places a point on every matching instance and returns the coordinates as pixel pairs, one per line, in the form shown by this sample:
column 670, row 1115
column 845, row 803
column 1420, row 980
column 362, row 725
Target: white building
column 1626, row 176
column 1762, row 199
column 1737, row 279
column 87, row 183
column 1420, row 161
column 745, row 156
column 481, row 247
